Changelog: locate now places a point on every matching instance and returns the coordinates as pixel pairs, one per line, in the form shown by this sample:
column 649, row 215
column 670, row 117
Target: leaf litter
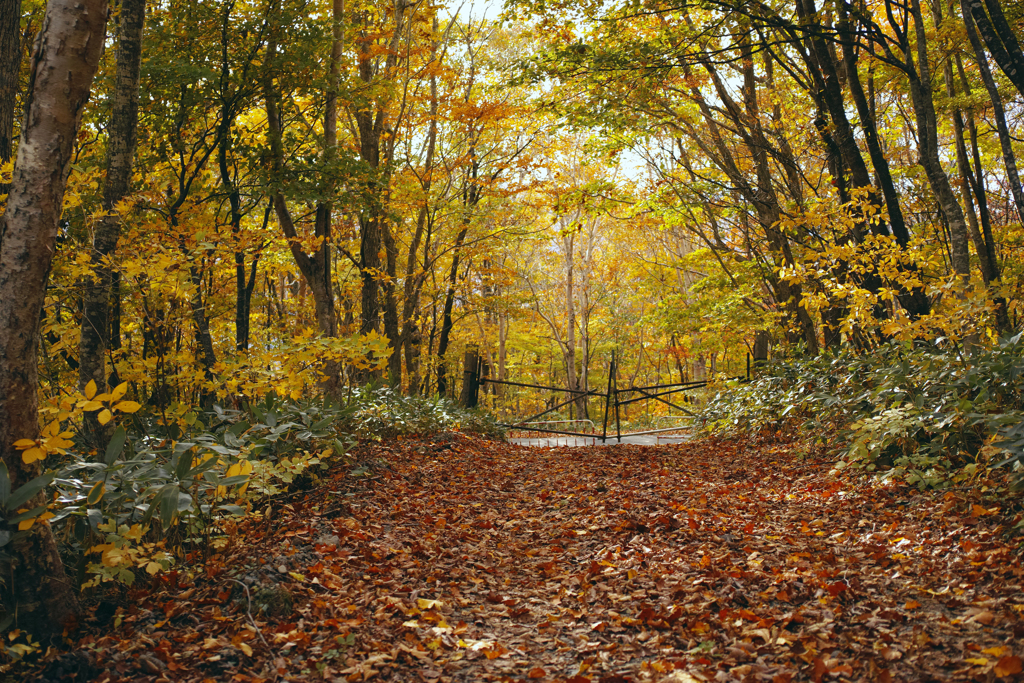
column 454, row 558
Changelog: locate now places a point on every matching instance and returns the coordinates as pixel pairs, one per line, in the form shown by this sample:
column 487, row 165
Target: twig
column 248, row 613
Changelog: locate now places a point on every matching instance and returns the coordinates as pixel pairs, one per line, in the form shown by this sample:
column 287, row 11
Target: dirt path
column 464, row 560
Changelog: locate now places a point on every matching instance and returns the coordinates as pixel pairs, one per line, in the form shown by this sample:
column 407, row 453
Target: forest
column 257, row 255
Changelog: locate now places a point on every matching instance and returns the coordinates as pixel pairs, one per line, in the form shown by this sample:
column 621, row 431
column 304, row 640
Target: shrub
column 924, row 412
column 166, row 482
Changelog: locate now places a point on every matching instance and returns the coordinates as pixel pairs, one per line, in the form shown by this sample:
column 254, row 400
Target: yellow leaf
column 89, row 406
column 90, row 389
column 423, row 603
column 128, row 406
column 119, row 391
column 22, row 444
column 245, row 648
column 153, row 567
column 104, row 416
column 977, row 661
column 33, row 454
column 26, row 524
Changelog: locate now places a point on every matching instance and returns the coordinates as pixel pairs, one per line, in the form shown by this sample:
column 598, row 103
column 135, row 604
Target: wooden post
column 761, row 344
column 470, row 377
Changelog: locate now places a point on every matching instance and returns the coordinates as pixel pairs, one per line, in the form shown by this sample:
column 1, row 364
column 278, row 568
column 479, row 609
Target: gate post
column 470, row 377
column 608, row 398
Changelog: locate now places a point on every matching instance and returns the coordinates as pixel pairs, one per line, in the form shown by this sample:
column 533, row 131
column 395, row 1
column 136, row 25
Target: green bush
column 165, row 485
column 923, row 412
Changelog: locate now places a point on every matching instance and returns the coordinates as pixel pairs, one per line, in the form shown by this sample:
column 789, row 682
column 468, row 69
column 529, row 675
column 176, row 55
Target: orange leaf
column 537, row 672
column 1009, row 666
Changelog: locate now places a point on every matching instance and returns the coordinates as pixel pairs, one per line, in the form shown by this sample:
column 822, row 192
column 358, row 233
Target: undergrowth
column 931, row 414
column 171, row 483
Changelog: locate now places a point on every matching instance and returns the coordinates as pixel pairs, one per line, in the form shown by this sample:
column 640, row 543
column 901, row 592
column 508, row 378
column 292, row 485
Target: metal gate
column 615, row 397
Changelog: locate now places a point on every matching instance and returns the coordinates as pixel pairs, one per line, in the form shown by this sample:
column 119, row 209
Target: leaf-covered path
column 457, row 559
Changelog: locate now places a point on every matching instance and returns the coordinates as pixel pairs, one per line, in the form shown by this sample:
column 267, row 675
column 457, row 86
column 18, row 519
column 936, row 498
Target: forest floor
column 454, row 558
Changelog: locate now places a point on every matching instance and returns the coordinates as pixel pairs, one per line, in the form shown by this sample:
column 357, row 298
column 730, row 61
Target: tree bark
column 446, row 319
column 94, row 340
column 928, row 144
column 312, row 269
column 867, row 122
column 412, row 336
column 10, row 73
column 998, row 111
column 999, row 38
column 67, row 52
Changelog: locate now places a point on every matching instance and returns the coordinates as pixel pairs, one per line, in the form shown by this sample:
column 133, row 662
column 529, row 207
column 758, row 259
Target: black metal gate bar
column 652, row 431
column 657, row 397
column 654, row 396
column 592, row 392
column 611, row 373
column 488, row 380
column 666, row 386
column 553, row 431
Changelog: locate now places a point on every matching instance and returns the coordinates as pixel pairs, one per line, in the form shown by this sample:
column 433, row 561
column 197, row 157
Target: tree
column 66, row 58
column 121, row 138
column 10, row 73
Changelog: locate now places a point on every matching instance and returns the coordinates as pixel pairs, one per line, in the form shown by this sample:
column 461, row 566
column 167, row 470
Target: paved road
column 642, row 440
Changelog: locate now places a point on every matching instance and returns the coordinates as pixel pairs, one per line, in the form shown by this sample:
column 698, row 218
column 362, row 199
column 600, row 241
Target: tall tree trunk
column 569, row 347
column 370, row 126
column 411, row 336
column 928, row 143
column 34, row 588
column 312, row 269
column 325, row 207
column 94, row 340
column 10, row 73
column 446, row 318
column 998, row 111
column 766, row 201
column 999, row 38
column 867, row 120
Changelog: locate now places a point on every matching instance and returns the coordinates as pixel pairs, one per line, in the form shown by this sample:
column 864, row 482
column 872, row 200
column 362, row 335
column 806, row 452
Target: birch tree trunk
column 34, row 588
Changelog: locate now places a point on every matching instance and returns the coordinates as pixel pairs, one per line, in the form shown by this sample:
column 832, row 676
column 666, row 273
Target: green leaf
column 34, row 512
column 116, row 445
column 26, row 492
column 184, row 463
column 167, row 502
column 95, row 518
column 95, row 493
column 201, row 467
column 5, row 486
